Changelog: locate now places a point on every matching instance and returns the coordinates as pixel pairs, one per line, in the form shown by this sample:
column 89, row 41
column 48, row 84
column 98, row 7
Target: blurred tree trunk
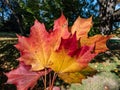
column 108, row 15
column 107, row 8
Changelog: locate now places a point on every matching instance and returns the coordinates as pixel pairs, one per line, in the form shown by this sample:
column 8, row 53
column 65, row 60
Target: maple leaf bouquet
column 66, row 51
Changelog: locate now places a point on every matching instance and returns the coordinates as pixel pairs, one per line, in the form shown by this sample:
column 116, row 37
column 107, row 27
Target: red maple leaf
column 23, row 78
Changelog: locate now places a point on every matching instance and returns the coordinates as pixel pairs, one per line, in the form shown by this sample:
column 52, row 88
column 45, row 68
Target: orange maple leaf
column 99, row 40
column 81, row 26
column 36, row 49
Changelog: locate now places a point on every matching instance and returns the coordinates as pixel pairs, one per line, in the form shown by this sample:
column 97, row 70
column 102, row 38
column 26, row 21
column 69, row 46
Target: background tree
column 108, row 15
column 25, row 12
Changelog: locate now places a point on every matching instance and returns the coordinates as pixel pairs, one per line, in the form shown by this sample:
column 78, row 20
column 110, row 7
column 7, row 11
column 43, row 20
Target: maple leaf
column 36, row 49
column 81, row 26
column 23, row 78
column 68, row 54
column 70, row 57
column 99, row 40
column 76, row 77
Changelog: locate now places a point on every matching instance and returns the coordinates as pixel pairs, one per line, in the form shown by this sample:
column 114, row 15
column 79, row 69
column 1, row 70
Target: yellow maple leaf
column 70, row 57
column 76, row 77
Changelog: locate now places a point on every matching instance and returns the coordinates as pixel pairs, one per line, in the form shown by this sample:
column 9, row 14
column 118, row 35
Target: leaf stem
column 52, row 83
column 45, row 79
column 50, row 80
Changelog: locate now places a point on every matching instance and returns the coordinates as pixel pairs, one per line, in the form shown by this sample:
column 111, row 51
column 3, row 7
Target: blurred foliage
column 8, row 55
column 108, row 61
column 101, row 81
column 19, row 15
